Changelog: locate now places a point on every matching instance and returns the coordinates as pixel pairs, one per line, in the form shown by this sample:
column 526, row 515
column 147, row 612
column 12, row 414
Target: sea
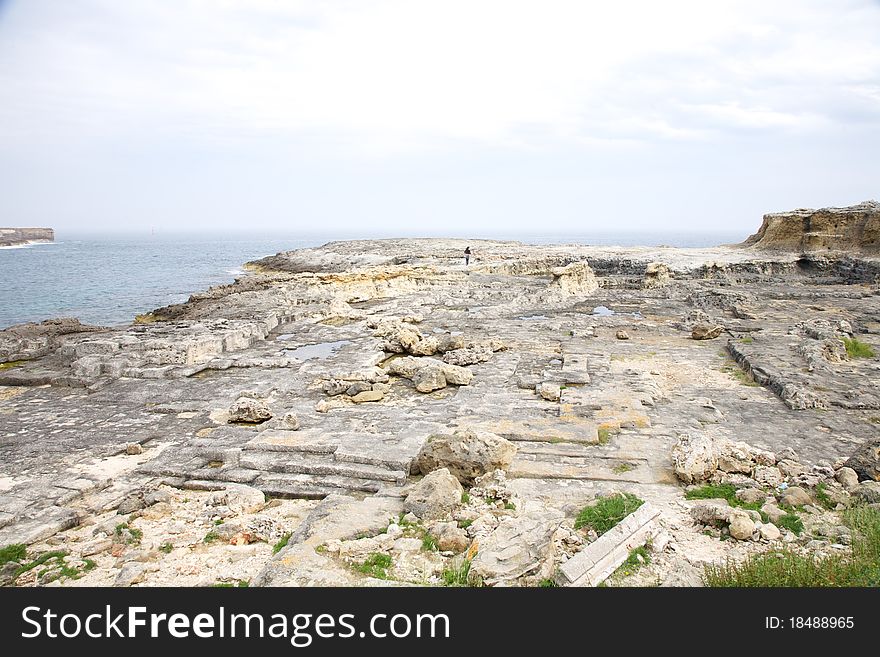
column 108, row 279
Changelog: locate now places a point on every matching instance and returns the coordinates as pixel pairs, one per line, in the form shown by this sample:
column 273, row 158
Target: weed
column 14, row 552
column 210, row 537
column 457, row 576
column 166, row 548
column 464, row 524
column 376, row 565
column 747, row 339
column 823, row 497
column 792, row 523
column 429, row 543
column 281, row 544
column 510, row 506
column 607, row 512
column 465, row 497
column 855, row 348
column 622, row 468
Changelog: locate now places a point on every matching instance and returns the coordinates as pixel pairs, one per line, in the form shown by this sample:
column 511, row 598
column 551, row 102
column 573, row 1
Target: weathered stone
column 868, row 491
column 368, row 396
column 247, row 410
column 706, row 331
column 428, row 379
column 656, row 275
column 622, row 335
column 694, row 458
column 796, row 496
column 435, row 496
column 520, row 548
column 133, row 449
column 769, row 532
column 847, row 477
column 751, row 495
column 242, row 499
column 865, row 461
column 290, row 422
column 709, row 512
column 741, row 526
column 549, row 391
column 774, row 513
column 467, row 454
column 450, row 536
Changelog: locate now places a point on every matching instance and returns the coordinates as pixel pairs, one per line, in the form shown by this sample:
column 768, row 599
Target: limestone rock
column 241, row 499
column 694, row 458
column 769, row 532
column 866, row 460
column 576, row 278
column 450, row 536
column 656, row 275
column 435, row 496
column 741, row 526
column 247, row 410
column 706, row 331
column 847, row 477
column 428, row 379
column 368, row 396
column 133, row 449
column 796, row 496
column 622, row 335
column 520, row 548
column 751, row 495
column 549, row 391
column 467, row 454
column 868, row 491
column 290, row 422
column 774, row 513
column 468, row 356
column 711, row 512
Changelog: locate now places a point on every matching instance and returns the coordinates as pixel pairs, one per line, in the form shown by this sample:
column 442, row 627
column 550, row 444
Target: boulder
column 694, row 458
column 241, row 499
column 435, row 496
column 468, row 356
column 520, row 550
column 247, row 410
column 865, row 461
column 549, row 391
column 450, row 537
column 622, row 335
column 428, row 379
column 796, row 496
column 576, row 278
column 741, row 526
column 368, row 396
column 769, row 532
column 706, row 331
column 774, row 513
column 133, row 449
column 467, row 454
column 847, row 477
column 656, row 275
column 868, row 491
column 711, row 512
column 751, row 495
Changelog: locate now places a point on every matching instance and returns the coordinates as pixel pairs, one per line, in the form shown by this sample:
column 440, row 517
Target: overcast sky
column 457, row 117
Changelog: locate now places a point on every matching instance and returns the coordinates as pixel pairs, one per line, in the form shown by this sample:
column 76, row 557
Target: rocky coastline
column 376, row 413
column 23, row 236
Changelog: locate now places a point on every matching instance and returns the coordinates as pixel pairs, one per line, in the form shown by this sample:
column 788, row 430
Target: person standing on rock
column 467, row 255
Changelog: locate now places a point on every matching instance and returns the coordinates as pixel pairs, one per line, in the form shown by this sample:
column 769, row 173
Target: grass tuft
column 14, row 552
column 376, row 565
column 457, row 576
column 607, row 512
column 281, row 544
column 855, row 348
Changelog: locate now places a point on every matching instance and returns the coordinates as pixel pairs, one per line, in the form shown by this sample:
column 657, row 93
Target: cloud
column 390, row 76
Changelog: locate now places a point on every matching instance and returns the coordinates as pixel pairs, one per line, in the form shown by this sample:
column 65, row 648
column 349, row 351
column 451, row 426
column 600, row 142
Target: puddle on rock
column 605, row 311
column 533, row 318
column 311, row 351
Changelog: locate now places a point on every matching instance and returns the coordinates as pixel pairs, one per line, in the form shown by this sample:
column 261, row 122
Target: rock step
column 230, row 475
column 304, row 463
column 290, row 487
column 526, row 466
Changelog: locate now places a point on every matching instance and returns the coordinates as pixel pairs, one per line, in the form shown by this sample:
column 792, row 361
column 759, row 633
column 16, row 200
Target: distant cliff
column 13, row 236
column 854, row 228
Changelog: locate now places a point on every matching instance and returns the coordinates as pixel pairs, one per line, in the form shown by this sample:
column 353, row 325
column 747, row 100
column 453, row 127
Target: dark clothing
column 467, row 255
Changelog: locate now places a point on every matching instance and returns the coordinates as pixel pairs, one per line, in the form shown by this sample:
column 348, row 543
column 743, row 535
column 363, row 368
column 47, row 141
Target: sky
column 477, row 117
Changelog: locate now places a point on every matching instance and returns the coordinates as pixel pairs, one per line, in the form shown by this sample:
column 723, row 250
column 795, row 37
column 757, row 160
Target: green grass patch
column 281, row 544
column 822, row 496
column 510, row 506
column 129, row 535
column 791, row 569
column 605, row 434
column 792, row 523
column 465, row 497
column 607, row 512
column 457, row 576
column 464, row 524
column 376, row 565
column 39, row 561
column 855, row 348
column 724, row 492
column 622, row 468
column 210, row 537
column 747, row 339
column 633, row 562
column 547, row 584
column 166, row 548
column 429, row 543
column 240, row 584
column 10, row 364
column 13, row 552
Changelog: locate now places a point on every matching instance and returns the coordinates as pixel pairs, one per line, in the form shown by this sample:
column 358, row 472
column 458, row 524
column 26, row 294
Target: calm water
column 108, row 280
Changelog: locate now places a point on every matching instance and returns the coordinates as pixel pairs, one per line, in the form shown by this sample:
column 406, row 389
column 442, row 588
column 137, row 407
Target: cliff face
column 854, row 228
column 13, row 236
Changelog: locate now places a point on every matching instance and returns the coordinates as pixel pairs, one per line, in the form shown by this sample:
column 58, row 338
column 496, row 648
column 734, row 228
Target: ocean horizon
column 107, row 279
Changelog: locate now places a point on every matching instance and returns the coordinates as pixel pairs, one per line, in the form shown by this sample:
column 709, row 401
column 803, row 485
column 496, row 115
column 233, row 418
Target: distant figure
column 467, row 256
